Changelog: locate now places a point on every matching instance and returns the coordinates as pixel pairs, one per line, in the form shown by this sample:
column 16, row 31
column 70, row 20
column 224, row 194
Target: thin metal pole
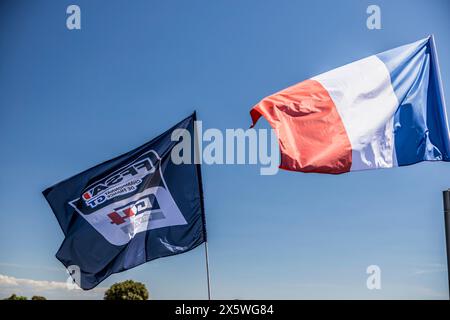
column 202, row 203
column 446, row 196
column 207, row 270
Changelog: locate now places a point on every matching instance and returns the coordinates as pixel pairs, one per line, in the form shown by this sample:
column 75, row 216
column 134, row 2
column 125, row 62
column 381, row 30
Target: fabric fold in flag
column 129, row 210
column 383, row 111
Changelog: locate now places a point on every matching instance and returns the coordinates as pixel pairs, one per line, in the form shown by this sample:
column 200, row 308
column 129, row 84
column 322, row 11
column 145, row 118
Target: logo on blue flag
column 135, row 208
column 132, row 199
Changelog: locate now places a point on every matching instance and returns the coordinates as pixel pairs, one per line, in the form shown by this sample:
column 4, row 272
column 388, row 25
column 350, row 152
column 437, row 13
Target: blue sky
column 72, row 99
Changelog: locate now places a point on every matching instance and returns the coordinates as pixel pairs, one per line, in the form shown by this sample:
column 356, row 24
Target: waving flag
column 134, row 208
column 383, row 111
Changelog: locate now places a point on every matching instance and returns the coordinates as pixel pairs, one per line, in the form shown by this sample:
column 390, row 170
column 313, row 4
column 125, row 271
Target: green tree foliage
column 16, row 297
column 38, row 298
column 127, row 290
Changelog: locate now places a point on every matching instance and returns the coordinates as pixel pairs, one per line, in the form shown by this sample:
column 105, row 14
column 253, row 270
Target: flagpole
column 207, row 270
column 202, row 204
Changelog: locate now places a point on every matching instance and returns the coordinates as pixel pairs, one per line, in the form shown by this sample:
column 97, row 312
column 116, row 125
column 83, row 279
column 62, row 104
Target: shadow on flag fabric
column 129, row 210
column 383, row 111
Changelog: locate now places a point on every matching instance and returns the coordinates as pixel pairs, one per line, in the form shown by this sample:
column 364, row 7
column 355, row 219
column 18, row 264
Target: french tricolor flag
column 383, row 111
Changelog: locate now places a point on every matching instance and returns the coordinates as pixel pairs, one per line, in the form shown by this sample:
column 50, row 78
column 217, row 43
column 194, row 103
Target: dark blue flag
column 129, row 210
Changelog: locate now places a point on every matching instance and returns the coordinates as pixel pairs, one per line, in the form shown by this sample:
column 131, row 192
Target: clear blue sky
column 72, row 99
